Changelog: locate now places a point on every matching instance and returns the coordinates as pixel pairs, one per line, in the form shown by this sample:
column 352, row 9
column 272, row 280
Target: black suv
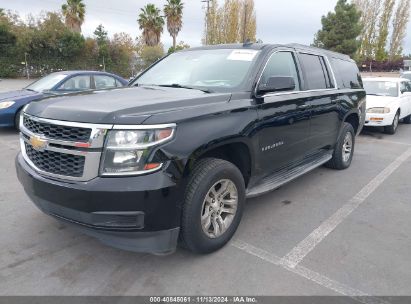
column 174, row 156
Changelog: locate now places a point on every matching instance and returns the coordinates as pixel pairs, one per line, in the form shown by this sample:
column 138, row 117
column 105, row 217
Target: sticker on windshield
column 242, row 55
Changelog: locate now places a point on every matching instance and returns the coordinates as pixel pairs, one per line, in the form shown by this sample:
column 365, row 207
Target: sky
column 278, row 21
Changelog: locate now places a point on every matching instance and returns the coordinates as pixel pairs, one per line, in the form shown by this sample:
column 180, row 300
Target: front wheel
column 344, row 150
column 392, row 129
column 213, row 205
column 407, row 119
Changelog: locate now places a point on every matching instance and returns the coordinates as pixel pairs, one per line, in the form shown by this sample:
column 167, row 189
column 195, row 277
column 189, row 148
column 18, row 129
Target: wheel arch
column 353, row 118
column 237, row 152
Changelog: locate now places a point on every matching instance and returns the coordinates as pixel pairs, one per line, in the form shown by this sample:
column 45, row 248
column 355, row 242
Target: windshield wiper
column 179, row 86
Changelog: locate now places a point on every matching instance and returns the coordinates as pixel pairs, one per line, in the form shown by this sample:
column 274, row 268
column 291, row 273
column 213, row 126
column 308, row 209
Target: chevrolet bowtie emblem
column 37, row 143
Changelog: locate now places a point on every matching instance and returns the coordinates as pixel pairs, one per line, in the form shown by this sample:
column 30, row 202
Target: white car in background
column 388, row 101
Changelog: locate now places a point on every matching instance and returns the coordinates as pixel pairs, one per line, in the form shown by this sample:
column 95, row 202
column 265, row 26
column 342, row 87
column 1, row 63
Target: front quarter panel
column 211, row 127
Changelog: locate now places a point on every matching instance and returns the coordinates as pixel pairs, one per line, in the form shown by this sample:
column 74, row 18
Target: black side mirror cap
column 277, row 83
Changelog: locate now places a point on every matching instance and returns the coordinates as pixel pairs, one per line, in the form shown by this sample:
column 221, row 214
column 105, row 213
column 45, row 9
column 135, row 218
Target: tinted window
column 281, row 64
column 77, row 83
column 315, row 72
column 347, row 74
column 118, row 83
column 104, row 82
column 407, row 75
column 405, row 87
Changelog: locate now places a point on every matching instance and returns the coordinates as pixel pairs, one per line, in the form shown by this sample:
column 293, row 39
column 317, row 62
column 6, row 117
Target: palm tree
column 173, row 11
column 73, row 12
column 151, row 23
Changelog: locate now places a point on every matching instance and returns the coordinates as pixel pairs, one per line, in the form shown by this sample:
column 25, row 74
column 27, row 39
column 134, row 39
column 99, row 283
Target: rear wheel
column 213, row 205
column 393, row 128
column 344, row 150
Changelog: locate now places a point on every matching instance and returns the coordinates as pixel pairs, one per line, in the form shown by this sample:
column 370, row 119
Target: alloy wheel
column 219, row 208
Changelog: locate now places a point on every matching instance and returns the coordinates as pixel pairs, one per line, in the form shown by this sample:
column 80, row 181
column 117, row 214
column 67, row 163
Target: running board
column 287, row 174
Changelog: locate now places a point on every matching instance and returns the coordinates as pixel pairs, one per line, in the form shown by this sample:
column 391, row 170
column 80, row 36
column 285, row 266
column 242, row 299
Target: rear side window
column 104, row 82
column 347, row 74
column 316, row 72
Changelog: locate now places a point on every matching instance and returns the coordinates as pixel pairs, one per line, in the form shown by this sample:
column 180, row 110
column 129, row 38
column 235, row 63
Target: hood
column 380, row 101
column 20, row 94
column 131, row 105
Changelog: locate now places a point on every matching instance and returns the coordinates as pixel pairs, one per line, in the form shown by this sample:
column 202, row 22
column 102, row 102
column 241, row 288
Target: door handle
column 303, row 107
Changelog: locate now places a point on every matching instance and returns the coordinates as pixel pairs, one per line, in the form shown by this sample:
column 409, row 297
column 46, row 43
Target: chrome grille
column 55, row 162
column 59, row 132
column 68, row 150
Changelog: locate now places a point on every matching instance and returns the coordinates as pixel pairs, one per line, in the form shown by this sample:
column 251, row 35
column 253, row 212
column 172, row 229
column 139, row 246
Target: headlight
column 379, row 110
column 6, row 104
column 129, row 152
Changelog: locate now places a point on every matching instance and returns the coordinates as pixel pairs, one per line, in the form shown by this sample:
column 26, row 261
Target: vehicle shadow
column 374, row 132
column 8, row 131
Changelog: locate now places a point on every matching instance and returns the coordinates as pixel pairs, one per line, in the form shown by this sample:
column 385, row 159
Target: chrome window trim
column 293, row 51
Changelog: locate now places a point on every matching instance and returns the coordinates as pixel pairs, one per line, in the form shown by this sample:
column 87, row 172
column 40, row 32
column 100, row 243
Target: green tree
column 399, row 24
column 122, row 54
column 151, row 23
column 150, row 54
column 74, row 12
column 173, row 12
column 340, row 29
column 101, row 36
column 383, row 30
column 179, row 47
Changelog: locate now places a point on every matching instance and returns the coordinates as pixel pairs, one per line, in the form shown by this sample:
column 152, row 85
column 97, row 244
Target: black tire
column 206, row 173
column 17, row 120
column 407, row 119
column 338, row 161
column 393, row 128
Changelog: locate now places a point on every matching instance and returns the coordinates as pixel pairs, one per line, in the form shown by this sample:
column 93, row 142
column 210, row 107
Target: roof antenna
column 247, row 42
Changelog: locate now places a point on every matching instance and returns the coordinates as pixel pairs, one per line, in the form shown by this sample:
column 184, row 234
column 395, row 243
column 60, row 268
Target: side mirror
column 277, row 83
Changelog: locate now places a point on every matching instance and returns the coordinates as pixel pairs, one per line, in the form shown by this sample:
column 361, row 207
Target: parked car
column 388, row 101
column 175, row 155
column 58, row 83
column 406, row 74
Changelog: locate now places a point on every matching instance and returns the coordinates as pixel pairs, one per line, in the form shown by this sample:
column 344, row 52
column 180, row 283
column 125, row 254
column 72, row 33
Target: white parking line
column 311, row 275
column 299, row 252
column 383, row 141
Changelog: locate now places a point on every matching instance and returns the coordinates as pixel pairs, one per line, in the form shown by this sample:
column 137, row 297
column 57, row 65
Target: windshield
column 381, row 88
column 407, row 76
column 46, row 83
column 202, row 69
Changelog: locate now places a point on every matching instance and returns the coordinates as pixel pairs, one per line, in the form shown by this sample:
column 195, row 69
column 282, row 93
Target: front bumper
column 379, row 120
column 139, row 213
